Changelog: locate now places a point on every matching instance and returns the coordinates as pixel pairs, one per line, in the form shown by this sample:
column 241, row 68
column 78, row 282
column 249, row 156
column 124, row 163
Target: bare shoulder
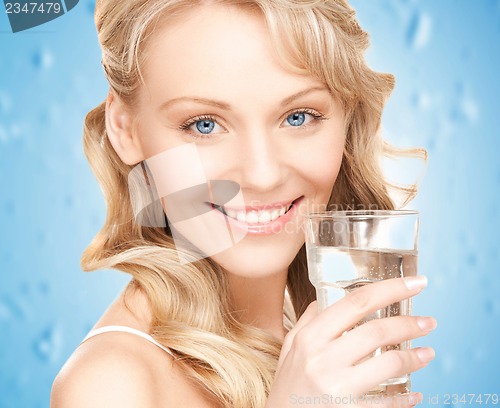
column 117, row 369
column 122, row 370
column 111, row 370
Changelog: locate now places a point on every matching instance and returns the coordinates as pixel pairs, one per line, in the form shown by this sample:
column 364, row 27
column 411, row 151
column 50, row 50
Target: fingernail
column 426, row 323
column 425, row 354
column 416, row 282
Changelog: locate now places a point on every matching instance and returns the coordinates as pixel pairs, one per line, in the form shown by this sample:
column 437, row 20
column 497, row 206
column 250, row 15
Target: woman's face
column 213, row 81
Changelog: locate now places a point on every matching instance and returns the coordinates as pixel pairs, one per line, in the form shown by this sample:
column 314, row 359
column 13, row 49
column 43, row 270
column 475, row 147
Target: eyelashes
column 298, row 117
column 186, row 125
column 205, row 126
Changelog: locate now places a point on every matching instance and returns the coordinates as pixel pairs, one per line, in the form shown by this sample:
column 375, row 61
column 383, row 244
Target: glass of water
column 353, row 248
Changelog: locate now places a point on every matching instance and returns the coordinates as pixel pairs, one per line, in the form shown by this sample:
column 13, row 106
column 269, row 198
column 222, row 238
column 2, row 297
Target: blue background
column 446, row 58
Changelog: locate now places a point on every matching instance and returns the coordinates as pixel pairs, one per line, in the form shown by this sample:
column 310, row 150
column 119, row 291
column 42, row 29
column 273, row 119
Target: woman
column 272, row 100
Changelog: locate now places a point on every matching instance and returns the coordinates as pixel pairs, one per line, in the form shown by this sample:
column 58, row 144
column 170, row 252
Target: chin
column 252, row 259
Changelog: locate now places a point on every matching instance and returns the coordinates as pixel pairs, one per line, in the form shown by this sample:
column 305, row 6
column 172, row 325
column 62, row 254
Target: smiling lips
column 256, row 216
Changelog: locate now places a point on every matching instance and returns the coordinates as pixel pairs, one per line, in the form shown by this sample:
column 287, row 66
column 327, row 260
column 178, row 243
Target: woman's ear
column 120, row 131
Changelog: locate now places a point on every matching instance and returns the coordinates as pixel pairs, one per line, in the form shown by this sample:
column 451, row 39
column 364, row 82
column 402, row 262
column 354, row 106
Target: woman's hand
column 318, row 360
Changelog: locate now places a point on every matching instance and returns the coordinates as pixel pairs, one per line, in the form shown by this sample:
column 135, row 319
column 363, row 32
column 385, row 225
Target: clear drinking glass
column 350, row 249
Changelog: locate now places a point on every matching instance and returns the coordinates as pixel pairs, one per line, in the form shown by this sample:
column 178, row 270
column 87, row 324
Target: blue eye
column 296, row 119
column 202, row 127
column 205, row 126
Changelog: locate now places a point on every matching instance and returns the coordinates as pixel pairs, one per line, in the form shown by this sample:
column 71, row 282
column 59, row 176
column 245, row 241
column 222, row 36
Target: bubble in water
column 419, row 31
column 48, row 345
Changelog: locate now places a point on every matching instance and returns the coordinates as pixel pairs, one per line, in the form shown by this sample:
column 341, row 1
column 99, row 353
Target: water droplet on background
column 48, row 345
column 422, row 100
column 11, row 309
column 42, row 59
column 91, row 7
column 419, row 31
column 465, row 110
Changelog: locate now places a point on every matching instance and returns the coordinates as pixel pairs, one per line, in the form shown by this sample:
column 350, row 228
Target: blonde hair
column 234, row 362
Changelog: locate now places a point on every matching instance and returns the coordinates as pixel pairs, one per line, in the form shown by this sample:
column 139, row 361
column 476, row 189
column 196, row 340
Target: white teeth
column 275, row 214
column 252, row 217
column 256, row 217
column 265, row 216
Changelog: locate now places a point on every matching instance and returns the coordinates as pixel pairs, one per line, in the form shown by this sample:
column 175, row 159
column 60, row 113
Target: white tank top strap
column 126, row 329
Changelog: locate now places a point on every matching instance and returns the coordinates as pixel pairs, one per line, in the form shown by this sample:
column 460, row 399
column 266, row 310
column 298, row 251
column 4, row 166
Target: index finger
column 349, row 310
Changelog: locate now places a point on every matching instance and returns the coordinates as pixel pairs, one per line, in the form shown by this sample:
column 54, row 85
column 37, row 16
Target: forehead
column 217, row 48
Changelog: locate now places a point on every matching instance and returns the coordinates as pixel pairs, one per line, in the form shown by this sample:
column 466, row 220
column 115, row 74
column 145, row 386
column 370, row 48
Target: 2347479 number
column 33, row 8
column 470, row 399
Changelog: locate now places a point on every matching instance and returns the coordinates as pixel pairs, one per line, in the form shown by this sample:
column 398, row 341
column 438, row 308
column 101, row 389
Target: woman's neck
column 259, row 301
column 255, row 301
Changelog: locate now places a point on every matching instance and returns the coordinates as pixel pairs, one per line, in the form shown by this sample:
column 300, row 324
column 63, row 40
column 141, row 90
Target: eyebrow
column 195, row 99
column 224, row 106
column 290, row 99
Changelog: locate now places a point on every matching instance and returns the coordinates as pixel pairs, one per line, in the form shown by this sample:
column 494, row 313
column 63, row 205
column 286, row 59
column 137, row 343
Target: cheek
column 154, row 138
column 219, row 160
column 321, row 166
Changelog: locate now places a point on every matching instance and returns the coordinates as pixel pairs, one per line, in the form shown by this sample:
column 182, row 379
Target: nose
column 261, row 166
